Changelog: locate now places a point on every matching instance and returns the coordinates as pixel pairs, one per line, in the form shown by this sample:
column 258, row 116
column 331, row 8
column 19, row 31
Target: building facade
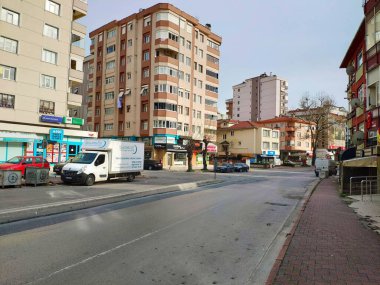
column 229, row 108
column 247, row 140
column 41, row 60
column 295, row 138
column 260, row 98
column 155, row 79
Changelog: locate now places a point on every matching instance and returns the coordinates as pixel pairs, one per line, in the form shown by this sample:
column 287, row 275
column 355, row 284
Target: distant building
column 229, row 108
column 245, row 139
column 260, row 98
column 333, row 137
column 295, row 138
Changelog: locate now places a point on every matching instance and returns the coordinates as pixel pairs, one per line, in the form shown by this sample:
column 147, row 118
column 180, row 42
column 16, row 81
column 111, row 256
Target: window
column 146, row 55
column 147, row 21
column 266, row 133
column 100, row 37
column 7, row 72
column 8, row 44
column 128, row 108
column 361, row 94
column 212, row 73
column 122, row 61
column 201, row 53
column 200, row 68
column 166, row 88
column 212, row 45
column 182, row 41
column 181, row 57
column 97, row 128
column 129, row 58
column 109, row 96
column 111, row 49
column 200, row 84
column 50, row 31
column 202, row 38
column 199, row 99
column 198, row 129
column 144, row 107
column 147, row 38
column 47, row 81
column 52, row 7
column 47, row 107
column 122, row 46
column 165, row 106
column 298, row 135
column 97, row 112
column 185, row 127
column 123, row 29
column 196, row 34
column 110, row 64
column 128, row 125
column 97, row 97
column 187, row 95
column 298, row 143
column 110, row 79
column 108, row 127
column 307, row 144
column 122, row 77
column 360, row 59
column 211, row 88
column 146, row 72
column 164, row 124
column 10, row 16
column 189, row 28
column 130, row 26
column 188, row 44
column 199, row 114
column 224, row 136
column 213, row 59
column 180, row 109
column 232, row 133
column 188, row 61
column 49, row 56
column 7, row 101
column 187, row 111
column 275, row 146
column 108, row 111
column 129, row 75
column 129, row 42
column 179, row 126
column 187, row 76
column 144, row 125
column 195, row 81
column 111, row 34
column 274, row 134
column 121, row 126
column 266, row 145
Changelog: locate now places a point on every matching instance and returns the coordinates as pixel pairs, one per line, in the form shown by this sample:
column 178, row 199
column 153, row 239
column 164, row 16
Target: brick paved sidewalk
column 330, row 245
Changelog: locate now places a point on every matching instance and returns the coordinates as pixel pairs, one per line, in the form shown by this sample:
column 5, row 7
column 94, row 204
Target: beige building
column 155, row 79
column 247, row 140
column 295, row 138
column 259, row 98
column 41, row 61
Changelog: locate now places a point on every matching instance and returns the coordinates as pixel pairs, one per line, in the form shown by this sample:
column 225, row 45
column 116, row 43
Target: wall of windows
column 165, row 106
column 164, row 124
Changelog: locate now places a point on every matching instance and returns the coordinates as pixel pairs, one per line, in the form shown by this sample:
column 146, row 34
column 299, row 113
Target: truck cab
column 86, row 168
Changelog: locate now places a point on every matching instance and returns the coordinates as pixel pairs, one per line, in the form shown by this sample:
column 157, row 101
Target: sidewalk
column 329, row 246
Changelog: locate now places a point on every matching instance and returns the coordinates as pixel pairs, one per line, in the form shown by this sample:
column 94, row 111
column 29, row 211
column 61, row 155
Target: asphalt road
column 213, row 235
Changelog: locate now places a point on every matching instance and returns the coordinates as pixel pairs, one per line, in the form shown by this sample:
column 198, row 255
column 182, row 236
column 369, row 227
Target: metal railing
column 367, row 181
column 360, row 177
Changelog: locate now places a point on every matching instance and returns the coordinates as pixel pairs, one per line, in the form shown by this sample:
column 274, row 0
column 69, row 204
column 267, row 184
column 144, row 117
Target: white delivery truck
column 104, row 159
column 325, row 165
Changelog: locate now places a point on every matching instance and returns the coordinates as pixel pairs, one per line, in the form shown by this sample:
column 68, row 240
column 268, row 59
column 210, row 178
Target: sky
column 303, row 42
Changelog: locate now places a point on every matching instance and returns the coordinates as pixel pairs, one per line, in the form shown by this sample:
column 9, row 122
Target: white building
column 260, row 98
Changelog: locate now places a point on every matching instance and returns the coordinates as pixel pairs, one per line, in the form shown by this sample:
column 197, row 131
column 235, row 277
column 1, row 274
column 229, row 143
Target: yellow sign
column 378, row 136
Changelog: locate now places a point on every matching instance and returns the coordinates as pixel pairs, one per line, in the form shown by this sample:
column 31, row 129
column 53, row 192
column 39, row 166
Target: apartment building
column 260, row 98
column 295, row 137
column 332, row 137
column 247, row 140
column 229, row 108
column 41, row 59
column 155, row 79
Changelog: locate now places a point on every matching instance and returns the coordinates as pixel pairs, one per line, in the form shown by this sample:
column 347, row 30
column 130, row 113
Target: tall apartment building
column 155, row 79
column 41, row 58
column 260, row 98
column 229, row 108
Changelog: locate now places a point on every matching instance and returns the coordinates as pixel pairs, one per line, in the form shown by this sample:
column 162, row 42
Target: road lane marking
column 122, row 245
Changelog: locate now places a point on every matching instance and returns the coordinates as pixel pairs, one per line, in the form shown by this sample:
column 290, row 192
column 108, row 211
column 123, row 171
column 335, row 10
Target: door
column 101, row 167
column 170, row 159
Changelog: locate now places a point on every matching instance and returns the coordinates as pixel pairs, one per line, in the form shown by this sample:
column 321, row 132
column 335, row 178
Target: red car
column 21, row 162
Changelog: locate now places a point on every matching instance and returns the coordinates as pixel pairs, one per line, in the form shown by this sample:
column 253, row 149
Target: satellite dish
column 350, row 70
column 358, row 138
column 355, row 103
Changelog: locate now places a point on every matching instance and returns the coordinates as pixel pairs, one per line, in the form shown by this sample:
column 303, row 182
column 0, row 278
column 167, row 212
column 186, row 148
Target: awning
column 127, row 91
column 143, row 88
column 120, row 94
column 370, row 161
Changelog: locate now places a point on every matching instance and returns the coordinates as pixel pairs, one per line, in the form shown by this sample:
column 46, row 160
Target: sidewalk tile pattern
column 330, row 245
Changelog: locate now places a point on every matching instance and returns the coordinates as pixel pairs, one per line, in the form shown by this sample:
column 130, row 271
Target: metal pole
column 378, row 163
column 361, row 188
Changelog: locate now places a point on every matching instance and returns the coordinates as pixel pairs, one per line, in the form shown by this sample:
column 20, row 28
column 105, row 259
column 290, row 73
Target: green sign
column 78, row 121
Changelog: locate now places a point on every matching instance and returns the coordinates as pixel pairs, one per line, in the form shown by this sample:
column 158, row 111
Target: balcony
column 290, row 129
column 167, row 44
column 79, row 28
column 373, row 57
column 76, row 75
column 166, row 59
column 369, row 5
column 80, row 8
column 74, row 100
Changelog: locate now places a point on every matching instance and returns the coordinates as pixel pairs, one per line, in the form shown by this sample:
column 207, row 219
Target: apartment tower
column 41, row 58
column 260, row 98
column 155, row 79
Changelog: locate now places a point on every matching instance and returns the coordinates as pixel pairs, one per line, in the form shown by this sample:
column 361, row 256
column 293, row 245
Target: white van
column 327, row 165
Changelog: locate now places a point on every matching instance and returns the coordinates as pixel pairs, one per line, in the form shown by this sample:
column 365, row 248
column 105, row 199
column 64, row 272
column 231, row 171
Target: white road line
column 121, row 246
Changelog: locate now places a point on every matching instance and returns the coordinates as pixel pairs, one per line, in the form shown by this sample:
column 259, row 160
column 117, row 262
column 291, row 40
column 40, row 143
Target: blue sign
column 51, row 119
column 271, row 153
column 56, row 135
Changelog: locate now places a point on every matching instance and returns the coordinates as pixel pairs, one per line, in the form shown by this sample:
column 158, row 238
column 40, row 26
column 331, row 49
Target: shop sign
column 159, row 146
column 271, row 153
column 160, row 140
column 56, row 135
column 212, row 148
column 175, row 147
column 170, row 140
column 51, row 119
column 67, row 120
column 78, row 121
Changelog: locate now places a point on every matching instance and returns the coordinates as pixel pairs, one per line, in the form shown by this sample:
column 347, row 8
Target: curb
column 17, row 214
column 276, row 266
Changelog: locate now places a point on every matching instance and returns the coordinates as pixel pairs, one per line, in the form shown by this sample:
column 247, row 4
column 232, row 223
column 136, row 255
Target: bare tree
column 317, row 109
column 206, row 141
column 190, row 146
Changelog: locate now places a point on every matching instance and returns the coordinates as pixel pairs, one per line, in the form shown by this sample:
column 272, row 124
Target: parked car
column 22, row 162
column 151, row 164
column 225, row 167
column 58, row 167
column 241, row 167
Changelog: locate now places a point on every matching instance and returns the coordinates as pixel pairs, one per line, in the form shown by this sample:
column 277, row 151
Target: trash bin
column 10, row 178
column 36, row 175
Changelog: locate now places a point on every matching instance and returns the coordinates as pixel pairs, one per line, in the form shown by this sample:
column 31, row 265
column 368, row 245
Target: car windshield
column 15, row 160
column 85, row 158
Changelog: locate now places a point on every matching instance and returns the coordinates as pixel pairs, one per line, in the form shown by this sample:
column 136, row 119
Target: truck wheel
column 130, row 178
column 90, row 180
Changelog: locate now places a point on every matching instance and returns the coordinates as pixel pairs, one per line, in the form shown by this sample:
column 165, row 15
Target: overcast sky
column 301, row 41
